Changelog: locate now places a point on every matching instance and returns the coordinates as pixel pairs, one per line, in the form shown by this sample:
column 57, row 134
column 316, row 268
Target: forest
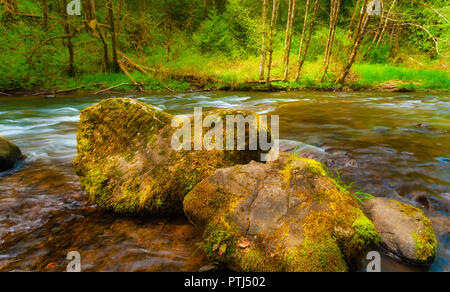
column 181, row 45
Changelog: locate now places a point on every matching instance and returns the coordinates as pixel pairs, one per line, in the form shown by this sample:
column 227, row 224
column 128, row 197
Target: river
column 389, row 144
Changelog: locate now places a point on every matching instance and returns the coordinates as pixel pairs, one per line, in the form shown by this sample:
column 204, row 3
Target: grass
column 415, row 79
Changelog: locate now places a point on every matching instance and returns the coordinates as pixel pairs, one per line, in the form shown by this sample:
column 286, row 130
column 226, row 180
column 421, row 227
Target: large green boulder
column 10, row 154
column 126, row 162
column 287, row 215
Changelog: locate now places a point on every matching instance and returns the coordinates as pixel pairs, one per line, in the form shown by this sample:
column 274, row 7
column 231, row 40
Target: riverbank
column 367, row 77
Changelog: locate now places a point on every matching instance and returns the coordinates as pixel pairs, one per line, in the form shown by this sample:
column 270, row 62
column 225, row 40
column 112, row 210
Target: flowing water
column 390, row 145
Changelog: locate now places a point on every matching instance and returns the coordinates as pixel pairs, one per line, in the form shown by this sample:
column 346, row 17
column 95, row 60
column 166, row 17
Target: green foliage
column 378, row 55
column 214, row 36
column 220, row 43
column 424, row 79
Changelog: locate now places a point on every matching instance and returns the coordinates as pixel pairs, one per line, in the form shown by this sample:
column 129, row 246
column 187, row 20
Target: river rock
column 126, row 162
column 10, row 154
column 404, row 230
column 287, row 215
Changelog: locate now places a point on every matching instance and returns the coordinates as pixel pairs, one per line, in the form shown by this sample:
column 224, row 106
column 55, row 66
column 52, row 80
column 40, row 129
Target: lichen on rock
column 287, row 215
column 10, row 154
column 405, row 230
column 126, row 162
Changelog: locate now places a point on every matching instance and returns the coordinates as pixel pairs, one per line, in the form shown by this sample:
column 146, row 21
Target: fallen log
column 113, row 87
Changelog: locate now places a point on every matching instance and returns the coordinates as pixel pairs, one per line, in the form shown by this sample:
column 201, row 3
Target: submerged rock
column 404, row 230
column 10, row 154
column 286, row 215
column 126, row 162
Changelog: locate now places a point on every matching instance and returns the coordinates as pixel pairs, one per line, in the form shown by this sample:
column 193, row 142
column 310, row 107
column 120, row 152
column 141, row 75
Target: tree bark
column 380, row 38
column 45, row 14
column 205, row 9
column 334, row 15
column 264, row 37
column 110, row 13
column 354, row 51
column 304, row 43
column 360, row 21
column 288, row 40
column 276, row 6
column 355, row 12
column 69, row 44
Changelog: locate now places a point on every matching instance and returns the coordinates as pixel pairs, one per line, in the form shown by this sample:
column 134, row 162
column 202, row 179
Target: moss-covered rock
column 287, row 215
column 405, row 230
column 126, row 162
column 10, row 154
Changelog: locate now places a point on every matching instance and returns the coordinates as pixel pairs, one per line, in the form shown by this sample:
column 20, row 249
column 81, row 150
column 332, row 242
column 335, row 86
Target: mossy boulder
column 10, row 154
column 287, row 215
column 405, row 230
column 127, row 165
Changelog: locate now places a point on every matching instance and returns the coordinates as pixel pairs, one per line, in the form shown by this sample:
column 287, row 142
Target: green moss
column 365, row 233
column 316, row 256
column 255, row 260
column 95, row 184
column 311, row 166
column 220, row 240
column 426, row 244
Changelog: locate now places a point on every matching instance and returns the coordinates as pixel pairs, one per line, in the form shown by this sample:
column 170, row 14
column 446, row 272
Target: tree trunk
column 288, row 40
column 380, row 26
column 354, row 52
column 334, row 15
column 304, row 43
column 355, row 12
column 45, row 14
column 69, row 44
column 205, row 9
column 90, row 14
column 264, row 37
column 380, row 38
column 360, row 21
column 276, row 6
column 110, row 10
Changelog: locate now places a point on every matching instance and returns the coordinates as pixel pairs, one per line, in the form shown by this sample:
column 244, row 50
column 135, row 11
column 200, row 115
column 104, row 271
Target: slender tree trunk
column 334, row 16
column 355, row 12
column 105, row 62
column 110, row 10
column 90, row 14
column 391, row 9
column 205, row 9
column 69, row 44
column 380, row 26
column 354, row 52
column 288, row 41
column 45, row 14
column 120, row 6
column 276, row 6
column 360, row 21
column 264, row 37
column 304, row 43
column 378, row 32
